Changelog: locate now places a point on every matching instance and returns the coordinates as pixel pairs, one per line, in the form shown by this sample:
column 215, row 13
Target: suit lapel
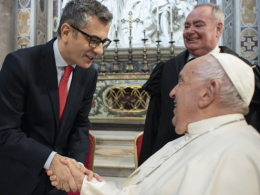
column 50, row 75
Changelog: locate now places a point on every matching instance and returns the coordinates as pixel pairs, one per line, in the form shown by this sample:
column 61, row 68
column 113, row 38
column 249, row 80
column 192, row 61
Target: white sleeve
column 104, row 188
column 49, row 160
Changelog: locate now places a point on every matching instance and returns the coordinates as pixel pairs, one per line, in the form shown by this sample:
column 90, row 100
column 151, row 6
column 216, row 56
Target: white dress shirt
column 60, row 65
column 215, row 50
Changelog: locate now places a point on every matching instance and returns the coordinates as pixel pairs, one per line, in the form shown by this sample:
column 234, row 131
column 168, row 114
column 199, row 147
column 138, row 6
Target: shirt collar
column 202, row 126
column 60, row 62
column 215, row 50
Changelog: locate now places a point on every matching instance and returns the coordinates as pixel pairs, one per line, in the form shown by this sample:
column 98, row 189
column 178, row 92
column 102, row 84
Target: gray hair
column 76, row 13
column 211, row 70
column 217, row 12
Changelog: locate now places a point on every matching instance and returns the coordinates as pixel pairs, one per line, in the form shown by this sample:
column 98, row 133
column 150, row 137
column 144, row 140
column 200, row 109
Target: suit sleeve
column 14, row 143
column 79, row 143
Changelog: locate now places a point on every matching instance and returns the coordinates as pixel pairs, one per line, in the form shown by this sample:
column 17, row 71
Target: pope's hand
column 64, row 178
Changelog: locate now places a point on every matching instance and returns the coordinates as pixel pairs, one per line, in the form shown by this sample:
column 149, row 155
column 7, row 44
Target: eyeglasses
column 95, row 41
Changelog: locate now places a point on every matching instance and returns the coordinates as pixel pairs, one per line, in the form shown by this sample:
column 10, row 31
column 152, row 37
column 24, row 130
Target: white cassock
column 225, row 161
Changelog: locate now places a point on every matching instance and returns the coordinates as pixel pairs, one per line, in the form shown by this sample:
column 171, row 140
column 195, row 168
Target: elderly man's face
column 201, row 33
column 186, row 95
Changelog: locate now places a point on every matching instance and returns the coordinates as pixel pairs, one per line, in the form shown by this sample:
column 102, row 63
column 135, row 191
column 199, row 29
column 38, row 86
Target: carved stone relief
column 153, row 15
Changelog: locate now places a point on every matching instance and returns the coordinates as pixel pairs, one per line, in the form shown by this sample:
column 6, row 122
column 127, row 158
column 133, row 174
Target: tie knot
column 67, row 71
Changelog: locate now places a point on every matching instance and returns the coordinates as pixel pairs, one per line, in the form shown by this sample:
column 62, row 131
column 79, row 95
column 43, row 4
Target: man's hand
column 78, row 172
column 64, row 179
column 83, row 169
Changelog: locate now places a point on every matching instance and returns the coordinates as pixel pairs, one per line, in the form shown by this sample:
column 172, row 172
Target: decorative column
column 6, row 28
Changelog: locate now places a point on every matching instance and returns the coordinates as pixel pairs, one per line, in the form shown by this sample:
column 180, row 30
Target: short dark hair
column 76, row 13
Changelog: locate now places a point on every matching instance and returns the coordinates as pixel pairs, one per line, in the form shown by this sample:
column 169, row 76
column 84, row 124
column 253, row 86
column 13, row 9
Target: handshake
column 67, row 174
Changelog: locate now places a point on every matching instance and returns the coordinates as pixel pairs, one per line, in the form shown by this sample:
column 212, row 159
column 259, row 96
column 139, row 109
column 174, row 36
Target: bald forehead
column 198, row 63
column 190, row 69
column 205, row 8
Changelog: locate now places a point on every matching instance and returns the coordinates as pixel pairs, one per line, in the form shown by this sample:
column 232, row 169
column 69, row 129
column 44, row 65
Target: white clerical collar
column 215, row 50
column 60, row 62
column 202, row 126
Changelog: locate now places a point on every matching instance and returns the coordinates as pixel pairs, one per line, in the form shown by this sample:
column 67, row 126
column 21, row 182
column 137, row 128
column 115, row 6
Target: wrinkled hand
column 78, row 172
column 64, row 178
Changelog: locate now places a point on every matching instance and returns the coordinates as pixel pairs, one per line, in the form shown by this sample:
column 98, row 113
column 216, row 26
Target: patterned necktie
column 63, row 89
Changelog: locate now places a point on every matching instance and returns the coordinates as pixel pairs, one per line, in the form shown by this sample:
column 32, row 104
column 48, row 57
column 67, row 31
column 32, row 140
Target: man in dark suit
column 43, row 114
column 203, row 27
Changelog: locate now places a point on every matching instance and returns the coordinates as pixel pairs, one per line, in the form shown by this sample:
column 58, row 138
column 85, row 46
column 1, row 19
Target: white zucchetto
column 240, row 74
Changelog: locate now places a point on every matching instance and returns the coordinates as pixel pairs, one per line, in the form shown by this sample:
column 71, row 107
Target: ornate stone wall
column 24, row 24
column 228, row 30
column 249, row 30
column 55, row 17
column 34, row 21
column 41, row 22
column 241, row 28
column 6, row 28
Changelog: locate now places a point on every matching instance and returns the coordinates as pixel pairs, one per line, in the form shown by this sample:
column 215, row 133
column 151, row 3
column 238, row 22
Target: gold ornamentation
column 125, row 98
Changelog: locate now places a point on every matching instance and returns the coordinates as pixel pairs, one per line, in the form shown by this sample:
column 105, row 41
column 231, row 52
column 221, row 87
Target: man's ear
column 209, row 94
column 219, row 29
column 66, row 30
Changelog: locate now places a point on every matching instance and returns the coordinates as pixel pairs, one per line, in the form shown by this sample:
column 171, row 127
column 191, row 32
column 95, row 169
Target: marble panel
column 228, row 35
column 249, row 43
column 228, row 31
column 6, row 29
column 226, row 2
column 41, row 8
column 228, row 11
column 229, row 19
column 55, row 24
column 41, row 38
column 55, row 19
column 248, row 13
column 24, row 22
column 24, row 4
column 41, row 14
column 41, row 23
column 23, row 42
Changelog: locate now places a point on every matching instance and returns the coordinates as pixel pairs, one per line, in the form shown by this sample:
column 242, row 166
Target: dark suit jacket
column 29, row 116
column 158, row 128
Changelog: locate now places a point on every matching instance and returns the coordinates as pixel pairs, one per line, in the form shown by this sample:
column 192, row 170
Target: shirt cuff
column 81, row 163
column 49, row 160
